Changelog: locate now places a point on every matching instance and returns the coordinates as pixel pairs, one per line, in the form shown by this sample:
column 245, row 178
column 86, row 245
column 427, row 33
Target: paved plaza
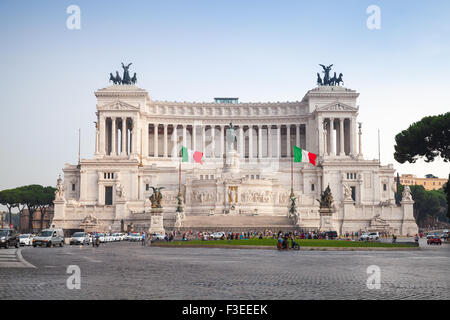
column 130, row 271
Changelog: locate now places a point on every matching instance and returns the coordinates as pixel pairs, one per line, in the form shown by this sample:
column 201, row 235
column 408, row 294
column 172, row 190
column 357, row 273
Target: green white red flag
column 188, row 155
column 301, row 155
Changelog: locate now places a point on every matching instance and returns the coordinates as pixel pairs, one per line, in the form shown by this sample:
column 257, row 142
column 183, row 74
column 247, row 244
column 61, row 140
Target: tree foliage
column 33, row 197
column 429, row 138
column 429, row 205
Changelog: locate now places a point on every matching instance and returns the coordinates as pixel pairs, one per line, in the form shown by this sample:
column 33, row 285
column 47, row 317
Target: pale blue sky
column 196, row 50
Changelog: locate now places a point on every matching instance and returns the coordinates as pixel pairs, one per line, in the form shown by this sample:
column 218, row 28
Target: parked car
column 116, row 236
column 25, row 239
column 217, row 235
column 370, row 236
column 135, row 236
column 49, row 237
column 101, row 237
column 434, row 240
column 331, row 234
column 80, row 238
column 8, row 238
column 157, row 236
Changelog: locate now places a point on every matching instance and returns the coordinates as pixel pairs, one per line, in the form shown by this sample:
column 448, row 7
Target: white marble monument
column 138, row 140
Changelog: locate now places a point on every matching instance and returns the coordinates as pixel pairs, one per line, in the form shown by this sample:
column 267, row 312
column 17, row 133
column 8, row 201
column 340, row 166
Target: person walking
column 143, row 239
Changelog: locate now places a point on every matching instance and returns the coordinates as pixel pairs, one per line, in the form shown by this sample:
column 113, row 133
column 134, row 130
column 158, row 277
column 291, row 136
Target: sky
column 197, row 50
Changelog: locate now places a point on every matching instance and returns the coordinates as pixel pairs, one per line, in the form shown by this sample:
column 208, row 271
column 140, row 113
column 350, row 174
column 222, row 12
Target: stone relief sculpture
column 120, row 192
column 178, row 220
column 347, row 192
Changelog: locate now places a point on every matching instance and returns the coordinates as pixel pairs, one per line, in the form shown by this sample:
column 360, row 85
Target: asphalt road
column 130, row 271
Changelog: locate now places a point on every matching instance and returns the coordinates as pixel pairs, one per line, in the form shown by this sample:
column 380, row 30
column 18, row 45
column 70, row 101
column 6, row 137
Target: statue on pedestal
column 293, row 206
column 156, row 197
column 326, row 199
column 406, row 194
column 59, row 192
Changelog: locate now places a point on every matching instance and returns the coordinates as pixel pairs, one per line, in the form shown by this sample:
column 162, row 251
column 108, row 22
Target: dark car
column 331, row 234
column 9, row 238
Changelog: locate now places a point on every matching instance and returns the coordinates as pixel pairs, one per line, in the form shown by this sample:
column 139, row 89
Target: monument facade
column 244, row 180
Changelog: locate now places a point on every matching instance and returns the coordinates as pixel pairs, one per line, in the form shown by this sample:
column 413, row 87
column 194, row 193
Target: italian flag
column 188, row 155
column 301, row 155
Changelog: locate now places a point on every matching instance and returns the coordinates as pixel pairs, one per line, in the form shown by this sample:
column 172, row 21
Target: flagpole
column 292, row 208
column 79, row 145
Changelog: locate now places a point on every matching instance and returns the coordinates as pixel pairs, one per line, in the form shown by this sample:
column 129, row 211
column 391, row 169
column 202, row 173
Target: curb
column 304, row 248
column 22, row 260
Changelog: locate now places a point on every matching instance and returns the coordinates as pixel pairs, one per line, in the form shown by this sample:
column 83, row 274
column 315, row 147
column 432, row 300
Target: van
column 49, row 237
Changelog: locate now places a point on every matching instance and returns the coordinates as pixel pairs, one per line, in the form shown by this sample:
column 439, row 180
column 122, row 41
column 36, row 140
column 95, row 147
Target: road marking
column 12, row 258
column 91, row 260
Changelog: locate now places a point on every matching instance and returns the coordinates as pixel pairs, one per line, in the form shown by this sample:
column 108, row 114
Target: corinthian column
column 155, row 140
column 250, row 142
column 134, row 137
column 341, row 136
column 222, row 143
column 165, row 141
column 260, row 154
column 352, row 136
column 241, row 141
column 288, row 140
column 204, row 140
column 269, row 141
column 213, row 143
column 123, row 150
column 194, row 137
column 113, row 136
column 278, row 141
column 332, row 137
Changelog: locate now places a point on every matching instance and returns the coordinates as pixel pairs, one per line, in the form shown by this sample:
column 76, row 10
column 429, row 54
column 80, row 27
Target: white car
column 115, row 237
column 80, row 238
column 157, row 236
column 217, row 235
column 101, row 237
column 135, row 236
column 370, row 236
column 26, row 239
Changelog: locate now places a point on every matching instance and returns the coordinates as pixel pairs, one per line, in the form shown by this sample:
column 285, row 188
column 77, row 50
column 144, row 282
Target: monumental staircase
column 237, row 223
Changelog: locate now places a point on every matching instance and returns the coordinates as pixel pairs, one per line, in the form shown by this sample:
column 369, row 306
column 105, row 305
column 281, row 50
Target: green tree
column 45, row 198
column 429, row 138
column 11, row 198
column 446, row 189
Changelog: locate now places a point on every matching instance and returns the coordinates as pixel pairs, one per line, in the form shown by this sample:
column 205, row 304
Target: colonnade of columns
column 118, row 136
column 253, row 141
column 108, row 141
column 337, row 136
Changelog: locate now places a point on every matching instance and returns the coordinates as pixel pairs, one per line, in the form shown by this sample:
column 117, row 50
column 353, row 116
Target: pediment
column 118, row 105
column 336, row 106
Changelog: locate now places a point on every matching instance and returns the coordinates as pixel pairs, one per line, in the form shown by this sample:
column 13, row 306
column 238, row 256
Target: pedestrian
column 143, row 239
column 279, row 242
